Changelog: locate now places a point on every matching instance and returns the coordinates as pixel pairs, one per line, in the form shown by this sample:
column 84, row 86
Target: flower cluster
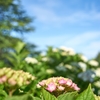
column 31, row 60
column 12, row 78
column 93, row 63
column 58, row 85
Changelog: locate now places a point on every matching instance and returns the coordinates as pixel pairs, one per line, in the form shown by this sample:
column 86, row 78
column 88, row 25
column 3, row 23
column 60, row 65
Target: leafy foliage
column 13, row 19
column 69, row 96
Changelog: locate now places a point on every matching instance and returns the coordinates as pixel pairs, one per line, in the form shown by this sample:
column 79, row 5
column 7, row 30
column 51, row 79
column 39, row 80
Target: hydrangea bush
column 65, row 62
column 57, row 69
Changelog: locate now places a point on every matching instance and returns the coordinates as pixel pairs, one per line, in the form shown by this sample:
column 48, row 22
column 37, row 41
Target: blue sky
column 70, row 23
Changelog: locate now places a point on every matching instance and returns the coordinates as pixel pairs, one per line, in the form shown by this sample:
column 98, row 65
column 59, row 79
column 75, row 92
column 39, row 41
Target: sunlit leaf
column 48, row 96
column 68, row 96
column 86, row 95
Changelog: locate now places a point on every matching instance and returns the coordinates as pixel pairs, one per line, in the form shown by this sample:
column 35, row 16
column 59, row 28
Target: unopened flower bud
column 9, row 74
column 3, row 78
column 20, row 81
column 12, row 82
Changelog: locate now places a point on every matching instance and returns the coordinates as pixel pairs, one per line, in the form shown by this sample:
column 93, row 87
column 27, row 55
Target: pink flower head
column 62, row 81
column 69, row 82
column 51, row 87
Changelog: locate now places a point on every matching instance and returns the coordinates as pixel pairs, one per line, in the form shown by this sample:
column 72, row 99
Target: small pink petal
column 42, row 83
column 73, row 85
column 69, row 82
column 62, row 81
column 51, row 87
column 12, row 82
column 76, row 87
column 1, row 81
column 61, row 88
column 4, row 78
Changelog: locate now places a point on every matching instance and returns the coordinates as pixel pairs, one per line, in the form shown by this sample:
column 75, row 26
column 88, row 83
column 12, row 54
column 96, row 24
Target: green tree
column 12, row 19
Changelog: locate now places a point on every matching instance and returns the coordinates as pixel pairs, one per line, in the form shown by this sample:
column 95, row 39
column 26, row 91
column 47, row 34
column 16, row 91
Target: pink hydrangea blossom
column 51, row 87
column 59, row 85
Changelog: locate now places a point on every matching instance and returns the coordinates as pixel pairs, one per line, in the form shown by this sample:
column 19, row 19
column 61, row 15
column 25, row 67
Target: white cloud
column 49, row 15
column 82, row 38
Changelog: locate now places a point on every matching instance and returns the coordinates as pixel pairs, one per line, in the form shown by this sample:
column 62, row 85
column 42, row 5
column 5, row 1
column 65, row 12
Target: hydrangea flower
column 93, row 63
column 8, row 76
column 58, row 85
column 14, row 79
column 31, row 60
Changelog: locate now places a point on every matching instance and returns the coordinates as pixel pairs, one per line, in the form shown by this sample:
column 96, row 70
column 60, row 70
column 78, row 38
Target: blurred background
column 52, row 38
column 72, row 23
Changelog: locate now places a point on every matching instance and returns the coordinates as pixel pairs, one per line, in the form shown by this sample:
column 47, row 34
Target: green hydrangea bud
column 20, row 81
column 9, row 74
column 12, row 77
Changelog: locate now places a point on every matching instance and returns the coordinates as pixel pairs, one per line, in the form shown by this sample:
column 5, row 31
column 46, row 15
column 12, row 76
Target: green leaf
column 48, row 96
column 1, row 87
column 23, row 97
column 68, row 96
column 19, row 46
column 3, row 94
column 36, row 98
column 86, row 95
